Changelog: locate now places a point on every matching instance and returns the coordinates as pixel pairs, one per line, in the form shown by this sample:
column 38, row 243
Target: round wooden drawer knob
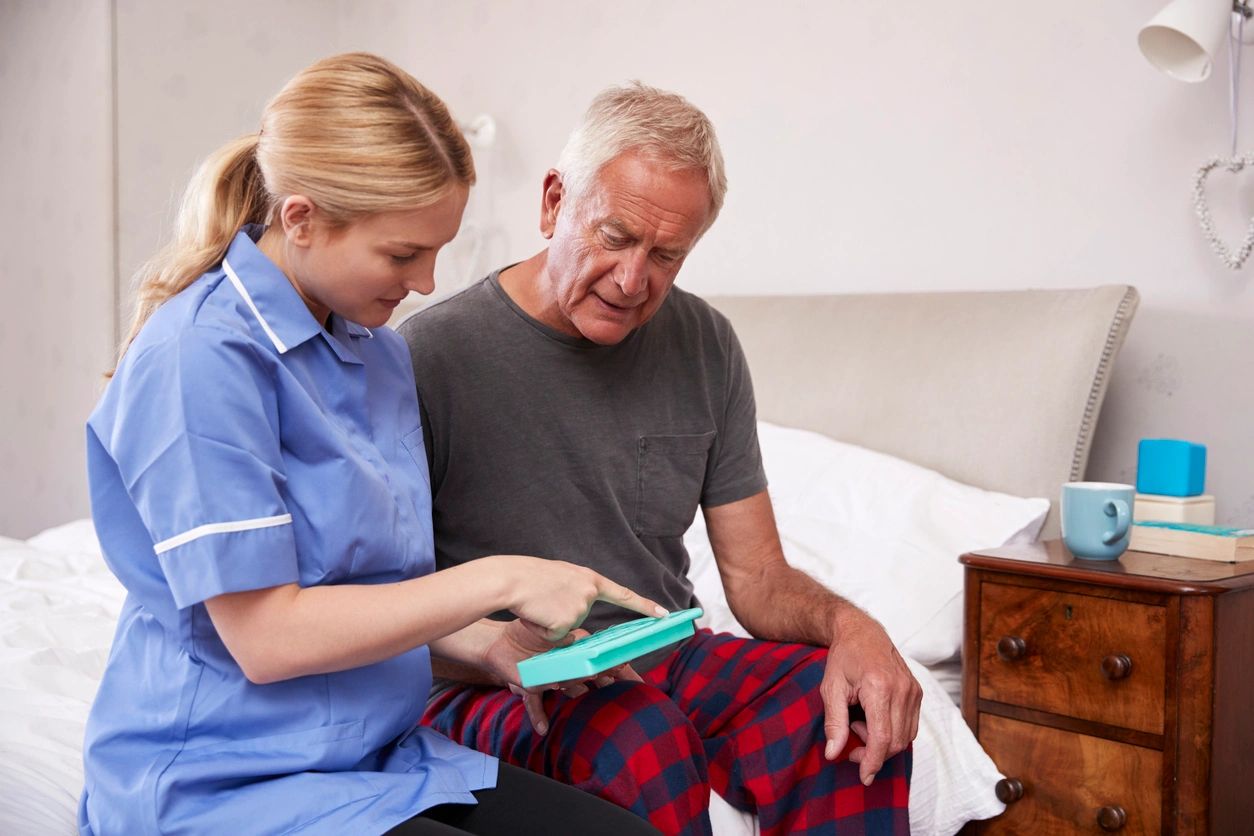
column 1011, row 648
column 1111, row 818
column 1010, row 790
column 1116, row 666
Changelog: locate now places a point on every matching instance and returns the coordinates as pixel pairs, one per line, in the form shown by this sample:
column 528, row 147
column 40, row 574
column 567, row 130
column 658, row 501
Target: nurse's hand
column 553, row 597
column 517, row 642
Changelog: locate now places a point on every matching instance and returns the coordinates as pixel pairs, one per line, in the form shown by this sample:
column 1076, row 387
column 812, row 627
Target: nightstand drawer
column 1083, row 656
column 1072, row 783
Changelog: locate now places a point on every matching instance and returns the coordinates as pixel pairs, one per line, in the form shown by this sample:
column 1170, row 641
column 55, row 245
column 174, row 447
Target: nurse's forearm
column 289, row 631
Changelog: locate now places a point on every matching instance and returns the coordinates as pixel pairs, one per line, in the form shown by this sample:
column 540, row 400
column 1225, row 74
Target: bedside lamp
column 1182, row 39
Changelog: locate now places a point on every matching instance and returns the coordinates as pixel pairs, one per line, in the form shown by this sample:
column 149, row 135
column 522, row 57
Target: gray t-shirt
column 545, row 444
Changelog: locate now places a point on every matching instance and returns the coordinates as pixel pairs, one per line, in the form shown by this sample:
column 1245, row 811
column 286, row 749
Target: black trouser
column 526, row 804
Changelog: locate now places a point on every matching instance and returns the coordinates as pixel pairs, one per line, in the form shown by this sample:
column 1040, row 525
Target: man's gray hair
column 664, row 127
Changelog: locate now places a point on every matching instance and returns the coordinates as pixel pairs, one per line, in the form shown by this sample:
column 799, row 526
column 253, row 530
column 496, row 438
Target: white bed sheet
column 949, row 676
column 58, row 608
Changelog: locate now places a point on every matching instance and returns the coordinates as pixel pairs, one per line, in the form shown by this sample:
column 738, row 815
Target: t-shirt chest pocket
column 670, row 476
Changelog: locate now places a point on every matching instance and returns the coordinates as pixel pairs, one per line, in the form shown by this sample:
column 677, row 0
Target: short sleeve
column 735, row 468
column 195, row 439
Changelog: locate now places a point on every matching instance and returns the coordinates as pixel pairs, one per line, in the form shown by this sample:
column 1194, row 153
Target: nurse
column 259, row 485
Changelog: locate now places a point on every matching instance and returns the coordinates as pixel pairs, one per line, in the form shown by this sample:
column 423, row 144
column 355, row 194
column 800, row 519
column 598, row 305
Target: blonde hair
column 664, row 127
column 354, row 133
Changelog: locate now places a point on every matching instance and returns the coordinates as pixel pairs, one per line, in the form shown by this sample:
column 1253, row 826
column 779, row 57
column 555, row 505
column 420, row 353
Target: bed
column 898, row 430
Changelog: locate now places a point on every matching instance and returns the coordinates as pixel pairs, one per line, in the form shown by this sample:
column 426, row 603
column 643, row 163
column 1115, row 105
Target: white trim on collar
column 219, row 528
column 265, row 326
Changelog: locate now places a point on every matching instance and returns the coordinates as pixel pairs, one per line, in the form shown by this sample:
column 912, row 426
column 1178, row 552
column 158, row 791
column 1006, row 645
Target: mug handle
column 1118, row 509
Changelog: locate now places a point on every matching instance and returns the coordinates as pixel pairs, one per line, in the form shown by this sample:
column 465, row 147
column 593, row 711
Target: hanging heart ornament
column 1233, row 166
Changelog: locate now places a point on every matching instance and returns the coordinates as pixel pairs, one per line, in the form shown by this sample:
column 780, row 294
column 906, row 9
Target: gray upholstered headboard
column 996, row 389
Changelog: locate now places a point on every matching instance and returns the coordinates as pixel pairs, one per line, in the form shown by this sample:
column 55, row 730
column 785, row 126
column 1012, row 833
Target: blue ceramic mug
column 1097, row 519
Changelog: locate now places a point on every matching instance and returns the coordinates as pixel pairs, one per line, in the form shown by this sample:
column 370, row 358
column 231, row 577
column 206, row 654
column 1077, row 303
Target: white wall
column 871, row 146
column 192, row 76
column 903, row 146
column 188, row 77
column 56, row 242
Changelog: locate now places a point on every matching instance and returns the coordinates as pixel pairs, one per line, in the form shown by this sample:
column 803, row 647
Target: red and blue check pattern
column 741, row 716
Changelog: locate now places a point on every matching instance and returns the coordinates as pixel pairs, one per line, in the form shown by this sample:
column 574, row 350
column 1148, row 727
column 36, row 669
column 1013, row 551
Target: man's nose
column 633, row 278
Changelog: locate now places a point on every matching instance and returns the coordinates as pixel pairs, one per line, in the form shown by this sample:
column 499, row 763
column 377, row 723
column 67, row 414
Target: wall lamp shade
column 1182, row 39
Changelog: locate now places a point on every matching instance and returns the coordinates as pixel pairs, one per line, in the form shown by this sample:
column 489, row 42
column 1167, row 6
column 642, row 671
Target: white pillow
column 884, row 533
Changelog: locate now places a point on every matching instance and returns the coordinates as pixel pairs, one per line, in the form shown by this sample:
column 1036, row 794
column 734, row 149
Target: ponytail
column 224, row 194
column 354, row 133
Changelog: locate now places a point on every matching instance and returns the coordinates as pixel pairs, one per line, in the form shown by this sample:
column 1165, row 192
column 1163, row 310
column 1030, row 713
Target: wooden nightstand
column 1115, row 696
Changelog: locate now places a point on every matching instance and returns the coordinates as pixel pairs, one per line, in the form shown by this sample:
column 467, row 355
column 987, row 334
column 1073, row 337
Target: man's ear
column 551, row 202
column 297, row 215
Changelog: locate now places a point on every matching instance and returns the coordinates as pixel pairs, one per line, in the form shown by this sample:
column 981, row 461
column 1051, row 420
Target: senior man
column 578, row 406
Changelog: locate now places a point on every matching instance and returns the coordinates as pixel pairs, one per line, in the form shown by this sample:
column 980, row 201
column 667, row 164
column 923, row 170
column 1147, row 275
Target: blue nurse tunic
column 239, row 446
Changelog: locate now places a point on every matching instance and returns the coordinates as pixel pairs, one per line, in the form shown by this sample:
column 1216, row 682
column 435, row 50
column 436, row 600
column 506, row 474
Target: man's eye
column 403, row 259
column 615, row 241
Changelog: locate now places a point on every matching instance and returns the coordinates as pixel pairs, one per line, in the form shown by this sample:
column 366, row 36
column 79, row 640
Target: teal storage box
column 601, row 651
column 1168, row 467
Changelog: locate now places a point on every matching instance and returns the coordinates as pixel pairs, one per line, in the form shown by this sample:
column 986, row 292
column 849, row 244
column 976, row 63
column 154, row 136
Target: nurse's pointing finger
column 611, row 592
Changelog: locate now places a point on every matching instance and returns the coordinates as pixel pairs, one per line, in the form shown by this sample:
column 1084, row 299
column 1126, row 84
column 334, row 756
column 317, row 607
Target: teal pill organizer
column 601, row 651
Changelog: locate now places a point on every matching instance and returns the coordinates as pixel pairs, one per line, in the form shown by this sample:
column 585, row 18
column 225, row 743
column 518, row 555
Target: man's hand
column 518, row 641
column 775, row 601
column 863, row 667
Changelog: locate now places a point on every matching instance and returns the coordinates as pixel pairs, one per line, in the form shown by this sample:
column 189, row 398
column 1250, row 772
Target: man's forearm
column 461, row 656
column 786, row 604
column 463, row 673
column 770, row 598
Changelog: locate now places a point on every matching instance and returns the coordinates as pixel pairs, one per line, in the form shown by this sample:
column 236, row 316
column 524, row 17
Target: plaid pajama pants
column 740, row 716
